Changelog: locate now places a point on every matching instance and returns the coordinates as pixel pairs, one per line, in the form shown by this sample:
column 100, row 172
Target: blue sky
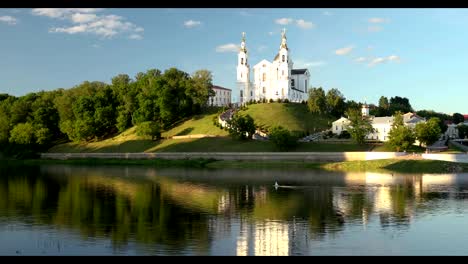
column 420, row 54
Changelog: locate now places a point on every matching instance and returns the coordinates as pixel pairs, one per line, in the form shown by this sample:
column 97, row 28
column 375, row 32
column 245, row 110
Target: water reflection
column 137, row 210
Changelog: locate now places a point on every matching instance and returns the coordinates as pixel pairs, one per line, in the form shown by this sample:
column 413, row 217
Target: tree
column 317, row 101
column 399, row 104
column 400, row 137
column 335, row 102
column 149, row 128
column 241, row 127
column 383, row 109
column 351, row 104
column 359, row 126
column 463, row 131
column 23, row 134
column 202, row 87
column 458, row 118
column 282, row 138
column 429, row 132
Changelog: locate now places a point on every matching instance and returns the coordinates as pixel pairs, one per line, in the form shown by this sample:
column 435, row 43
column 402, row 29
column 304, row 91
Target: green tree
column 335, row 102
column 23, row 134
column 282, row 138
column 429, row 132
column 241, row 127
column 458, row 118
column 400, row 137
column 202, row 87
column 462, row 131
column 359, row 126
column 401, row 104
column 317, row 102
column 383, row 109
column 149, row 128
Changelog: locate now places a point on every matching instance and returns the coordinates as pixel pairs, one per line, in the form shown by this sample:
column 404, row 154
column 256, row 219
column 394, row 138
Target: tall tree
column 202, row 87
column 359, row 126
column 335, row 102
column 458, row 118
column 383, row 109
column 401, row 104
column 428, row 132
column 400, row 137
column 317, row 101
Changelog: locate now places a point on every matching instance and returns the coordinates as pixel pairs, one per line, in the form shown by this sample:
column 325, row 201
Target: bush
column 282, row 138
column 279, row 100
column 286, row 100
column 303, row 102
column 149, row 128
column 271, row 100
column 344, row 134
column 241, row 127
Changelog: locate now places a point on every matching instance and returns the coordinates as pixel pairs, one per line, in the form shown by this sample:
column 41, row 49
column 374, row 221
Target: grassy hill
column 293, row 116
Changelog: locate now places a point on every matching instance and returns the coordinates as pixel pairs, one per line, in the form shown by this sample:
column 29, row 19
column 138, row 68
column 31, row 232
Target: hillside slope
column 293, row 116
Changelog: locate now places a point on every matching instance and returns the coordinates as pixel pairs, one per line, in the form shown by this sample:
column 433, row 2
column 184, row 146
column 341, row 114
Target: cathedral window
column 282, row 72
column 283, row 57
column 241, row 74
column 264, row 77
column 282, row 91
column 264, row 89
column 242, row 61
column 305, row 83
column 292, row 83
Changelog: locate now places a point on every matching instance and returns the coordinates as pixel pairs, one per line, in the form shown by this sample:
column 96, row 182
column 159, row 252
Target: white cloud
column 304, row 24
column 96, row 46
column 284, row 21
column 376, row 20
column 231, row 47
column 86, row 21
column 62, row 13
column 135, row 36
column 379, row 60
column 271, row 33
column 9, row 20
column 191, row 23
column 374, row 28
column 360, row 59
column 262, row 48
column 83, row 18
column 344, row 51
column 327, row 13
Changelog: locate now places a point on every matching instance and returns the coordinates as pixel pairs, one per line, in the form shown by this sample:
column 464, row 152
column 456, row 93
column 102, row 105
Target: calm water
column 78, row 210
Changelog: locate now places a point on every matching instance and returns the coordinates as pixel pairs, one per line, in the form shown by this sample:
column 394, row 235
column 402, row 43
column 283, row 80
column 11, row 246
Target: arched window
column 283, row 57
column 282, row 91
column 264, row 89
column 282, row 72
column 292, row 83
column 264, row 77
column 242, row 61
column 241, row 74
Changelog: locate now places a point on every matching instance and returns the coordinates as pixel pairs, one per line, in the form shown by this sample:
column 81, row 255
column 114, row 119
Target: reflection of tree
column 100, row 210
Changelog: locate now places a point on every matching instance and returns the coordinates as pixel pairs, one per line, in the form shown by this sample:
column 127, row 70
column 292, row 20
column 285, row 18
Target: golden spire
column 242, row 47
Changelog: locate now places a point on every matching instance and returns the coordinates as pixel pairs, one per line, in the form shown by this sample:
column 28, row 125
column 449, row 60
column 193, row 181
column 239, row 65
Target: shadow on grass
column 185, row 131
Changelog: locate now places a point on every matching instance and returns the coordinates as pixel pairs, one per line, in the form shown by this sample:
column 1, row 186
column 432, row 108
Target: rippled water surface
column 119, row 210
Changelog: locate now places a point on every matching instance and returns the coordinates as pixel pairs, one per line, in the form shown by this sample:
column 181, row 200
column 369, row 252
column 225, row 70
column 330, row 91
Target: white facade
column 222, row 96
column 271, row 80
column 381, row 125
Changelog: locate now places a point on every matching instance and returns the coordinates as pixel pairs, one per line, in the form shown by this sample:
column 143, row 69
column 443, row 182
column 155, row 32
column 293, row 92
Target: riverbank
column 400, row 165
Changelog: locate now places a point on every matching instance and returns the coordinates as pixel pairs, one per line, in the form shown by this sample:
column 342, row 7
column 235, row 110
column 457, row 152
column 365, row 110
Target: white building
column 381, row 125
column 271, row 80
column 222, row 96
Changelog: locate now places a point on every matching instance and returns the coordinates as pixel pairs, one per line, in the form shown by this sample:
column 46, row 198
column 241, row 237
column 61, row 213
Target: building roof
column 382, row 120
column 298, row 71
column 466, row 117
column 220, row 88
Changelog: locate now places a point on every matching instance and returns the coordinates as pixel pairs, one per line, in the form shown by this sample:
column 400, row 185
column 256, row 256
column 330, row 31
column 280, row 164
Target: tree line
column 95, row 110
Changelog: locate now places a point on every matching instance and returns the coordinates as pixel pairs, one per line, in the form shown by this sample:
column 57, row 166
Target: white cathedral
column 272, row 80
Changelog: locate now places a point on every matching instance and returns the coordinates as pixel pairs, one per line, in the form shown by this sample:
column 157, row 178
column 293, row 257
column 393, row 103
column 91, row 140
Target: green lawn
column 201, row 124
column 387, row 148
column 293, row 116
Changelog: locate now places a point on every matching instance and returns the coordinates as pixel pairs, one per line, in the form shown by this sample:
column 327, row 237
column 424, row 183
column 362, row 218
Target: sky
column 416, row 53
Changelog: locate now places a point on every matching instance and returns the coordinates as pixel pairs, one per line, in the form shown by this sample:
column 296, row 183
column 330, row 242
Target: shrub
column 271, row 100
column 279, row 100
column 286, row 100
column 282, row 138
column 149, row 128
column 344, row 134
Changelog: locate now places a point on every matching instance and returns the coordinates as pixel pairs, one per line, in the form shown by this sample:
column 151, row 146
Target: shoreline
column 410, row 164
